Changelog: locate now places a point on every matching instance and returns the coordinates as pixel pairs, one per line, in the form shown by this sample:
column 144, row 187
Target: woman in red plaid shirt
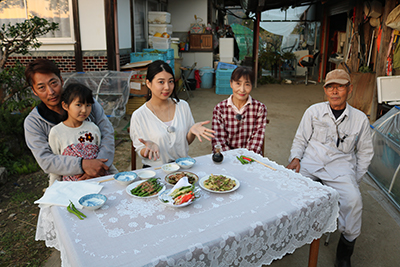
column 239, row 121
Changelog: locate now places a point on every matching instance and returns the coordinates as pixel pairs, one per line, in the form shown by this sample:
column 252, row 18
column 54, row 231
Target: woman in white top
column 162, row 128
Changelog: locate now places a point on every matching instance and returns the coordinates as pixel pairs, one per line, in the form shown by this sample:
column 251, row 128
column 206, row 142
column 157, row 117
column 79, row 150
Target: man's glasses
column 340, row 88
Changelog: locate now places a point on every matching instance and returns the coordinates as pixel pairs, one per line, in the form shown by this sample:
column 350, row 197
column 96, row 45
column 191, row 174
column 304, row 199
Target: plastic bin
column 207, row 77
column 223, row 65
column 159, row 17
column 169, row 55
column 161, row 43
column 224, row 74
column 144, row 56
column 161, row 28
column 223, row 89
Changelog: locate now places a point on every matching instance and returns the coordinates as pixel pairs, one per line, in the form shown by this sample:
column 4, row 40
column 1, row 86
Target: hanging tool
column 370, row 47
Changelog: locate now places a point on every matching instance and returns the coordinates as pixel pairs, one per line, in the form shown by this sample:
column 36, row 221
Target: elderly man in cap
column 333, row 145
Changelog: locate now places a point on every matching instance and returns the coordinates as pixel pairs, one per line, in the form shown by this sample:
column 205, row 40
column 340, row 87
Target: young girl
column 239, row 121
column 162, row 129
column 75, row 136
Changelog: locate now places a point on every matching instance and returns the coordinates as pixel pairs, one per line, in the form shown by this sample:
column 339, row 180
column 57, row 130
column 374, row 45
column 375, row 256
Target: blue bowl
column 125, row 178
column 185, row 163
column 92, row 201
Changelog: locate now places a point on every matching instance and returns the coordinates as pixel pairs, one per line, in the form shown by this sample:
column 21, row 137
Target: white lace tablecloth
column 271, row 214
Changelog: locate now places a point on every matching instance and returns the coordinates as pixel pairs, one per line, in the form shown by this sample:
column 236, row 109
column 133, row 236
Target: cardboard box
column 138, row 84
column 134, row 102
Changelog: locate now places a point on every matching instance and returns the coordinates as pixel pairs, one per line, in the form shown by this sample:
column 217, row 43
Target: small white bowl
column 185, row 163
column 146, row 174
column 125, row 178
column 92, row 201
column 170, row 167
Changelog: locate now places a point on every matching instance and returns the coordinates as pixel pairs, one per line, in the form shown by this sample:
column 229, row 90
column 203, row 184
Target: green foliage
column 20, row 37
column 14, row 154
column 17, row 95
column 267, row 80
column 364, row 69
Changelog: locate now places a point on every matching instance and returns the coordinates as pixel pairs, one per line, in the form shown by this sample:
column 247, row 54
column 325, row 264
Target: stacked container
column 222, row 81
column 168, row 55
column 159, row 22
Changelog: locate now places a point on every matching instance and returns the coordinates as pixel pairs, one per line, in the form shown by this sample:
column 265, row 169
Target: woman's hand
column 200, row 131
column 151, row 151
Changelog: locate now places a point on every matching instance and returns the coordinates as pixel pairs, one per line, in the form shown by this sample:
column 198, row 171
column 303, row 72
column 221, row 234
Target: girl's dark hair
column 43, row 66
column 243, row 71
column 74, row 90
column 155, row 68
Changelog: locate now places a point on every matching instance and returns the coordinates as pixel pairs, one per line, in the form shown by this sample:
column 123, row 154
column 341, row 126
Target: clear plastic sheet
column 385, row 165
column 110, row 88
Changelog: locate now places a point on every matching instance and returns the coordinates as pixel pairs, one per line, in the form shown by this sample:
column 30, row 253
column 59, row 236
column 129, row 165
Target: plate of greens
column 145, row 189
column 218, row 183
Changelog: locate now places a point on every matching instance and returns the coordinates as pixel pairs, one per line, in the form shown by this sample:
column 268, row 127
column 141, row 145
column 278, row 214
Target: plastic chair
column 308, row 64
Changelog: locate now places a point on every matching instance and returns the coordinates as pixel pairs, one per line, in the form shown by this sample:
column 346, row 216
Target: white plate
column 165, row 196
column 133, row 185
column 202, row 180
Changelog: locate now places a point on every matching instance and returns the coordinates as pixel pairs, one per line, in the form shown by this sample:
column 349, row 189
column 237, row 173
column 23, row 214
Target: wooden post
column 256, row 33
column 354, row 61
column 382, row 53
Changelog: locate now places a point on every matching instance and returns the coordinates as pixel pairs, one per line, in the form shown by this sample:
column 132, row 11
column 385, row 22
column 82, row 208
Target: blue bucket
column 207, row 77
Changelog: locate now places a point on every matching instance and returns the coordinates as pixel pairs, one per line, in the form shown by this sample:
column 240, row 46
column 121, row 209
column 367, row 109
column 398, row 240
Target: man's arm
column 300, row 141
column 365, row 150
column 257, row 138
column 36, row 137
column 107, row 146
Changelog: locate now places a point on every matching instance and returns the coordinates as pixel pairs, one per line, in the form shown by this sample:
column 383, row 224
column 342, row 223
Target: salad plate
column 167, row 200
column 135, row 184
column 203, row 179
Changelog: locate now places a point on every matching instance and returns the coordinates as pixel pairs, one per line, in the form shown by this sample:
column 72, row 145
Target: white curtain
column 282, row 28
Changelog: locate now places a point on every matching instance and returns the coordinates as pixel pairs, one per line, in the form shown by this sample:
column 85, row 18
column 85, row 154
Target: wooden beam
column 77, row 33
column 354, row 61
column 324, row 45
column 132, row 22
column 256, row 34
column 382, row 53
column 110, row 34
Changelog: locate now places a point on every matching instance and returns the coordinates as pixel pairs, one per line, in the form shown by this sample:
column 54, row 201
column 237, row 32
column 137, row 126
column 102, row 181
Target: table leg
column 313, row 256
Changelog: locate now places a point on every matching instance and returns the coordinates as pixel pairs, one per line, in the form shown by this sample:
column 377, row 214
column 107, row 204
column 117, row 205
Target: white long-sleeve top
column 315, row 142
column 146, row 125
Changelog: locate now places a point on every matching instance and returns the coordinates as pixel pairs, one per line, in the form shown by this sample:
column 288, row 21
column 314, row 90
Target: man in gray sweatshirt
column 45, row 79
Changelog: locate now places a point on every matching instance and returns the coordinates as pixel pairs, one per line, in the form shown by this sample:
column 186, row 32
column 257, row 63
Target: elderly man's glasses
column 340, row 88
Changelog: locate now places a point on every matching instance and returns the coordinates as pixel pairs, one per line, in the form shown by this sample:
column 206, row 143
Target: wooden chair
column 133, row 156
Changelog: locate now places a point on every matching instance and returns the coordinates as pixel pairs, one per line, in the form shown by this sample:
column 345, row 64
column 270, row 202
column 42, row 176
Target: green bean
column 75, row 209
column 73, row 212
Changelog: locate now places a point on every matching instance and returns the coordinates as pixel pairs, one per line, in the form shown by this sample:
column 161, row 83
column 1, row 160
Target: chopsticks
column 106, row 180
column 262, row 163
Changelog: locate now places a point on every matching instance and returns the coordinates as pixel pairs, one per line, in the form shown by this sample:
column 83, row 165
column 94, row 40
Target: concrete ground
column 378, row 244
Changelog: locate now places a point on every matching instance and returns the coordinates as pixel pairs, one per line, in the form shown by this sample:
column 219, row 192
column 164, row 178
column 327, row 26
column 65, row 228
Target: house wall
column 92, row 23
column 182, row 13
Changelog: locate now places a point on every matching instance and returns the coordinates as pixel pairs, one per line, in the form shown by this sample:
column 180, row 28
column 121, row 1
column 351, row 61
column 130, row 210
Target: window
column 59, row 11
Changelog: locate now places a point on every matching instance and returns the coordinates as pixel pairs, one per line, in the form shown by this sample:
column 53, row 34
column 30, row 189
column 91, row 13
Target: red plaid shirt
column 231, row 133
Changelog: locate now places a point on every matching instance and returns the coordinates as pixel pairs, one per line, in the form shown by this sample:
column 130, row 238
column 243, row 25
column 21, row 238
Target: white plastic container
column 161, row 43
column 159, row 17
column 161, row 28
